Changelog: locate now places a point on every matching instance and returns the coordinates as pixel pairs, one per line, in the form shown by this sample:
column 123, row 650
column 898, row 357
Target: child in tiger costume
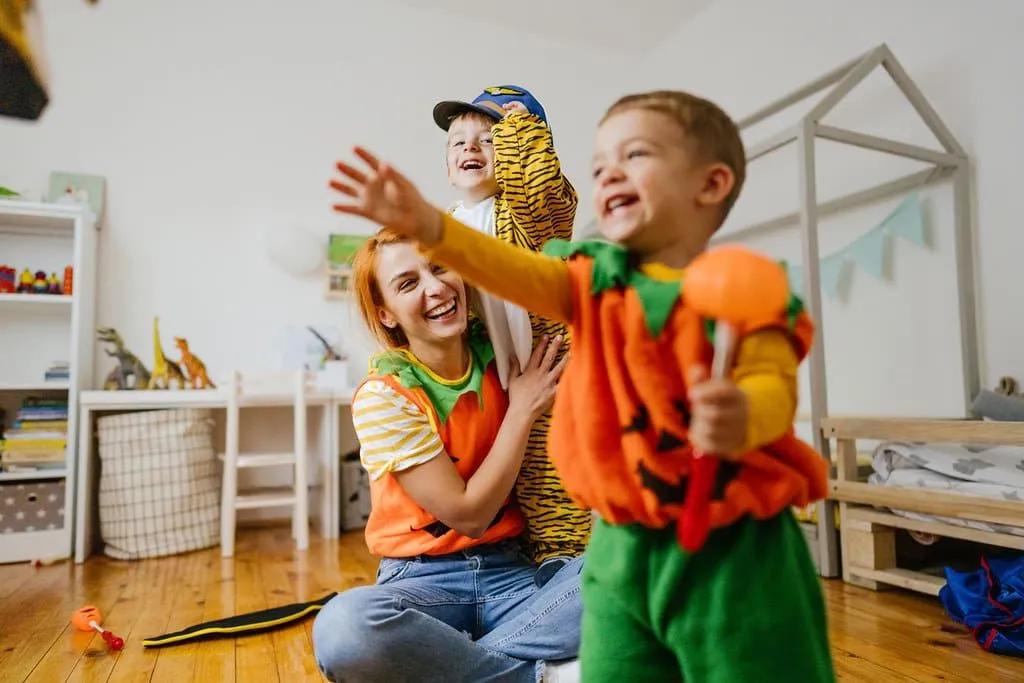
column 501, row 159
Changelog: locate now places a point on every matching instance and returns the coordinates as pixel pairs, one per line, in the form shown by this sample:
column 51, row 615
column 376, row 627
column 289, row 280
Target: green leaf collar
column 443, row 394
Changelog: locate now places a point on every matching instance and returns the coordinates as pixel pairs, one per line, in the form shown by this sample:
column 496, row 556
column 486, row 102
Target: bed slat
column 930, row 502
column 924, row 429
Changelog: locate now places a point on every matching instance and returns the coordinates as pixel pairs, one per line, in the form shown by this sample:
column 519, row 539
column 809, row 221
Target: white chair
column 266, row 389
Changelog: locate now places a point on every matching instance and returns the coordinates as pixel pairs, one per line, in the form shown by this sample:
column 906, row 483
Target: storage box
column 31, row 506
column 355, row 493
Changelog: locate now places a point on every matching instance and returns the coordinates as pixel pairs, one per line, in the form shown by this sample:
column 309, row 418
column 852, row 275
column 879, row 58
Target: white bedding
column 987, row 471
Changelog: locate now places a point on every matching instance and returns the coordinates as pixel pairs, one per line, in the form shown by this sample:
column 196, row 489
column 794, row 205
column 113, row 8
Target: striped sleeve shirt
column 394, row 433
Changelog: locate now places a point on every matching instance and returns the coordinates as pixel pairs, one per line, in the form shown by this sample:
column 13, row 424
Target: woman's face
column 426, row 301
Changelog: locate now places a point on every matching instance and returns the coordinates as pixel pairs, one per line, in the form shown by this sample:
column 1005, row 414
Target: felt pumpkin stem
column 695, row 523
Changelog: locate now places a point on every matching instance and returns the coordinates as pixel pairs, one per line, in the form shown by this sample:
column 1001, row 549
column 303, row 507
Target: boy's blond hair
column 715, row 134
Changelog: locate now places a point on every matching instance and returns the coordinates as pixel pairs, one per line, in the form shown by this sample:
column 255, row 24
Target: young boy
column 636, row 402
column 501, row 160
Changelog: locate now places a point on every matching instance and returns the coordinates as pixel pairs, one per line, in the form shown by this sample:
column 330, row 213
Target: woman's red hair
column 367, row 290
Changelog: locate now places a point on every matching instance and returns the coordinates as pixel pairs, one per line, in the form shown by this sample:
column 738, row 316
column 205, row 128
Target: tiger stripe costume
column 537, row 203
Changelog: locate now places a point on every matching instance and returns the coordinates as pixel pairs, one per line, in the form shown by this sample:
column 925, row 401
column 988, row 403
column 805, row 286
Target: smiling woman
column 443, row 444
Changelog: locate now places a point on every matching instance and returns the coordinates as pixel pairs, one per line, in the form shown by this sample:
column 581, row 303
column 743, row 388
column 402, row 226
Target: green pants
column 748, row 607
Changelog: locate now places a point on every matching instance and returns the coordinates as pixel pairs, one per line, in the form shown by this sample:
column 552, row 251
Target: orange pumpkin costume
column 652, row 611
column 467, row 419
column 618, row 437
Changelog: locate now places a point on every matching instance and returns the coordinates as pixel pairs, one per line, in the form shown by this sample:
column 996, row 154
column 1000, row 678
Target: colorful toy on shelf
column 25, row 281
column 7, row 275
column 164, row 371
column 34, row 283
column 732, row 286
column 197, row 377
column 39, row 285
column 129, row 373
column 69, row 278
column 88, row 618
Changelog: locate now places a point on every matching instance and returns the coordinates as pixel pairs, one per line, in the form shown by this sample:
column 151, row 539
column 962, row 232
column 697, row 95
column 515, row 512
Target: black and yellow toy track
column 241, row 624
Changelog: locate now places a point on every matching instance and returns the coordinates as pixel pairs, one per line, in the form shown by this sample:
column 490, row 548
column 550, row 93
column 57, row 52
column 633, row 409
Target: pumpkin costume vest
column 619, row 431
column 466, row 416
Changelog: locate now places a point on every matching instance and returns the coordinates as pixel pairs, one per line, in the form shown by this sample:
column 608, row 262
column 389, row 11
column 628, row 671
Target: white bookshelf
column 35, row 331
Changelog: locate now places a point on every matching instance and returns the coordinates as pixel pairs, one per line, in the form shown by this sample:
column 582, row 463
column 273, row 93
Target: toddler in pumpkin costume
column 635, row 403
column 501, row 160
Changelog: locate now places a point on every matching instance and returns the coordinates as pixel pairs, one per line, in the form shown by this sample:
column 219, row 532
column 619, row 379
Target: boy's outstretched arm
column 537, row 282
column 381, row 194
column 529, row 175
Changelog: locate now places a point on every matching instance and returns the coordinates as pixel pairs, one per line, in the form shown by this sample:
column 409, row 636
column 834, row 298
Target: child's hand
column 510, row 107
column 718, row 415
column 386, row 197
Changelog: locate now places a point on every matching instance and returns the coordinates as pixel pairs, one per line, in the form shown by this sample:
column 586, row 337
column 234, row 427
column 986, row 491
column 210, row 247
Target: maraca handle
column 695, row 523
column 113, row 641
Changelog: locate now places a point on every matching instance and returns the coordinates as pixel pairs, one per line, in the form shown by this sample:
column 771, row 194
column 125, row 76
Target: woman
column 455, row 599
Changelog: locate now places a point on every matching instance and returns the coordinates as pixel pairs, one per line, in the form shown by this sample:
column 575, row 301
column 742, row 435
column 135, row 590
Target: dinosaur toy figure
column 129, row 373
column 164, row 371
column 196, row 369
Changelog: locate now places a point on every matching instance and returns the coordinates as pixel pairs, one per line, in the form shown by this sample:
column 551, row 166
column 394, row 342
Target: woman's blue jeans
column 474, row 616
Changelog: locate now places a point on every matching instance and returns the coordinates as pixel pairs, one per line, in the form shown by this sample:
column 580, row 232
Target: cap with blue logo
column 490, row 103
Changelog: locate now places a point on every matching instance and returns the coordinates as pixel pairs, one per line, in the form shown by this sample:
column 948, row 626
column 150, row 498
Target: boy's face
column 650, row 192
column 470, row 157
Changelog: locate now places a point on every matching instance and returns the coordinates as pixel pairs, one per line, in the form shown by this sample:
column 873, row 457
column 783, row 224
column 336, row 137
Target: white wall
column 966, row 58
column 215, row 121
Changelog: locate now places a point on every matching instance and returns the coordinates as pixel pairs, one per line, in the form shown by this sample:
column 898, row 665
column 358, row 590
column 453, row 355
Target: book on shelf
column 59, row 371
column 38, row 437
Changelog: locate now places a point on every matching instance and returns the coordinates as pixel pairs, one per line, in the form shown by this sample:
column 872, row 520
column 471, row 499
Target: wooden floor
column 876, row 637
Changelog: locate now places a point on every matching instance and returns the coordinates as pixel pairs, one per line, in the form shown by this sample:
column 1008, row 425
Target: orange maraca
column 88, row 618
column 732, row 285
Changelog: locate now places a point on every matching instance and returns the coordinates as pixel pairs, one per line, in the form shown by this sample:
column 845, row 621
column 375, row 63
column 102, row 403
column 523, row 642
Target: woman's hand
column 388, row 198
column 532, row 390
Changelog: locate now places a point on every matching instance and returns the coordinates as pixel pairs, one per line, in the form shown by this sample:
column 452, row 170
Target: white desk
column 92, row 402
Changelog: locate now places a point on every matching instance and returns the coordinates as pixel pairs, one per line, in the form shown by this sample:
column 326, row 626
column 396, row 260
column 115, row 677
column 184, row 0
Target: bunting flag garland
column 867, row 251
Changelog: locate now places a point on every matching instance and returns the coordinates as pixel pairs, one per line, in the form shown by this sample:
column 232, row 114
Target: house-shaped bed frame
column 950, row 163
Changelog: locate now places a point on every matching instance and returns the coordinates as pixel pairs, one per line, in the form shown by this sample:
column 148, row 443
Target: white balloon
column 295, row 250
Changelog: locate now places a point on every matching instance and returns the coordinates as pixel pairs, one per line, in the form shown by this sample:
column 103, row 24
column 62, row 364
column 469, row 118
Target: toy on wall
column 69, row 279
column 88, row 618
column 7, row 275
column 196, row 369
column 164, row 371
column 129, row 373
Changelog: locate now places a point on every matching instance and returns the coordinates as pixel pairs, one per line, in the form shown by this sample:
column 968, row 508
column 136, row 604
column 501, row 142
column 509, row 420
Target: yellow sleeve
column 535, row 281
column 766, row 371
column 540, row 198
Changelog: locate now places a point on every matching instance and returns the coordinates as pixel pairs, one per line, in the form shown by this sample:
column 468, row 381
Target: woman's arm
column 396, row 437
column 469, row 507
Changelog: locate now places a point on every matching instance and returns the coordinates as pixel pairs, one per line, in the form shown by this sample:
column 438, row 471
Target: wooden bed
column 865, row 535
column 868, row 534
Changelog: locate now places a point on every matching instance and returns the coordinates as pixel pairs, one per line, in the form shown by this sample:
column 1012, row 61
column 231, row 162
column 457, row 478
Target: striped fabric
column 394, row 434
column 537, row 203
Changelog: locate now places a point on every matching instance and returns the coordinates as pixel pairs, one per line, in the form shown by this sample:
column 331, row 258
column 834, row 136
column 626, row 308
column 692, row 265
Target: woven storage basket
column 159, row 490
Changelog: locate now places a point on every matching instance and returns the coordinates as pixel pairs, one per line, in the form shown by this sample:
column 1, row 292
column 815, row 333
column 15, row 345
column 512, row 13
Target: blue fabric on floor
column 990, row 602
